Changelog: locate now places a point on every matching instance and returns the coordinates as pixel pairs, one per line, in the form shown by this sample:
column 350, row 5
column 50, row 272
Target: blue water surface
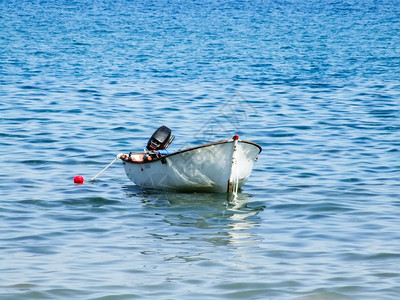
column 315, row 83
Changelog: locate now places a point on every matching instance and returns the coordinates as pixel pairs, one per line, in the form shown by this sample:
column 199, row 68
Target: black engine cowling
column 160, row 139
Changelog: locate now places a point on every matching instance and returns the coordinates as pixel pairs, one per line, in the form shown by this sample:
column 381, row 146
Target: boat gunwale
column 192, row 148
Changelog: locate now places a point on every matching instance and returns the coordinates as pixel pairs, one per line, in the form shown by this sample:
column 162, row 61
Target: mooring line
column 102, row 171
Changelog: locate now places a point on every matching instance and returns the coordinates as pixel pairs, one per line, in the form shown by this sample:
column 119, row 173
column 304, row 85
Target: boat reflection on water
column 217, row 218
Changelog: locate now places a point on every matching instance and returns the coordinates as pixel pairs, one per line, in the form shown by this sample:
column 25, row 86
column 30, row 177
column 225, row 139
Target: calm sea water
column 315, row 83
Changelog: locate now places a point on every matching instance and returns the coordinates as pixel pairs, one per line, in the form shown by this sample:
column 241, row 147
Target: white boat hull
column 206, row 168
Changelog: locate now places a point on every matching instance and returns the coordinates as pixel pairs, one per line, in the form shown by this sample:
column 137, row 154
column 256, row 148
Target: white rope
column 236, row 179
column 235, row 172
column 116, row 158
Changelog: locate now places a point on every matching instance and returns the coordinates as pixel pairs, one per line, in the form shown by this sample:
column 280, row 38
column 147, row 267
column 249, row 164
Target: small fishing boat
column 222, row 166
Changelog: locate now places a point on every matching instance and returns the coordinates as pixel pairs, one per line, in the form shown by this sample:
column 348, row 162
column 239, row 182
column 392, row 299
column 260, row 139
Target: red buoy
column 235, row 137
column 79, row 179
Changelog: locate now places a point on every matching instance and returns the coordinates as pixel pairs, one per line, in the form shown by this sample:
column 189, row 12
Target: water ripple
column 315, row 83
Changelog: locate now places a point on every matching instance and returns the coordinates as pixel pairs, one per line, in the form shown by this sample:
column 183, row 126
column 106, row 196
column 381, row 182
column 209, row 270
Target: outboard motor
column 160, row 139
